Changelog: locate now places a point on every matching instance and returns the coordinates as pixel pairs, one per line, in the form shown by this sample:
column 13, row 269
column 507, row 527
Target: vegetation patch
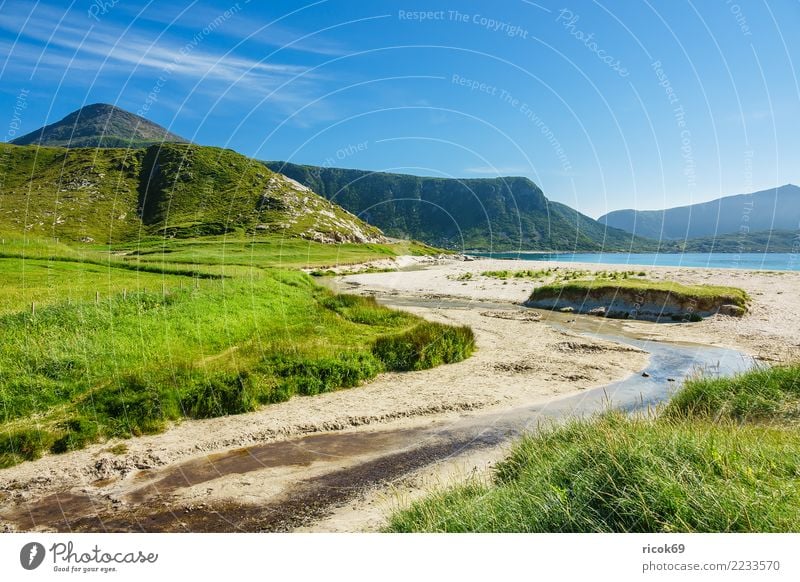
column 695, row 468
column 761, row 395
column 555, row 274
column 637, row 298
column 426, row 345
column 77, row 372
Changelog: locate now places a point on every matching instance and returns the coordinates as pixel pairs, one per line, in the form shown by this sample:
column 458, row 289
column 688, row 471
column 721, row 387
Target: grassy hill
column 178, row 190
column 100, row 125
column 474, row 214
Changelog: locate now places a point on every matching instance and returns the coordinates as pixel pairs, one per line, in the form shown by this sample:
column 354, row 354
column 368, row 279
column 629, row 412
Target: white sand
column 771, row 331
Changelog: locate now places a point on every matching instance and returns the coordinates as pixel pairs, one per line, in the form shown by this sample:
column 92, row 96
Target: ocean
column 746, row 261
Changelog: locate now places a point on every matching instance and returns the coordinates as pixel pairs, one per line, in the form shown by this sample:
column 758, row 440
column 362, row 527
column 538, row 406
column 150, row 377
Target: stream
column 355, row 462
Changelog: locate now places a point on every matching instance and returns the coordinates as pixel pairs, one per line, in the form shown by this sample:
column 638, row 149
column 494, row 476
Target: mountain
column 176, row 190
column 474, row 214
column 774, row 209
column 100, row 125
column 764, row 241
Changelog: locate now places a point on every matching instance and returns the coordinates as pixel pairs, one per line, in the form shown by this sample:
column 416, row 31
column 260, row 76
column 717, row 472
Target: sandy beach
column 523, row 358
column 769, row 331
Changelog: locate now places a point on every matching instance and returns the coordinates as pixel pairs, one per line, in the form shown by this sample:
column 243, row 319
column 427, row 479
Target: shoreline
column 768, row 332
column 520, row 361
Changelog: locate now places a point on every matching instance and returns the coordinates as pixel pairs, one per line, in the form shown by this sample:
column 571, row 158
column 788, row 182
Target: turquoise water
column 748, row 261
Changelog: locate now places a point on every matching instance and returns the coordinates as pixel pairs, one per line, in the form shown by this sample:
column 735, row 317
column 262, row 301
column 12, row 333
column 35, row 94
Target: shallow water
column 669, row 365
column 746, row 261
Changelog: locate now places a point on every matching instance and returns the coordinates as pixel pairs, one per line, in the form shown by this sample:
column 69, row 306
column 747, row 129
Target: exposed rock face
column 319, row 220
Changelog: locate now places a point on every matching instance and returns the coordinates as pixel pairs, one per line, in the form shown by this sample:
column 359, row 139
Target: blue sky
column 605, row 105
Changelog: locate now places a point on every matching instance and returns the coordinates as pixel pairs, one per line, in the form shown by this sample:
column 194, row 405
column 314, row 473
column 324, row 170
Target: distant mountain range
column 143, row 180
column 100, row 125
column 762, row 241
column 775, row 209
column 174, row 190
column 473, row 214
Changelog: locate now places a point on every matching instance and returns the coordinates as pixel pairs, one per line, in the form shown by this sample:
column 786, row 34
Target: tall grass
column 74, row 373
column 763, row 394
column 620, row 475
column 425, row 346
column 695, row 468
column 702, row 295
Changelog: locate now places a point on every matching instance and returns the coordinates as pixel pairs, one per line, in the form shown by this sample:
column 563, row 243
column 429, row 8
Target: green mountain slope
column 178, row 190
column 478, row 214
column 774, row 209
column 765, row 241
column 100, row 125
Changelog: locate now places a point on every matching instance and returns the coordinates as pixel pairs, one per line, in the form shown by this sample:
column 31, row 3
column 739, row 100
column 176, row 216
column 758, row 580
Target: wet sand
column 340, row 461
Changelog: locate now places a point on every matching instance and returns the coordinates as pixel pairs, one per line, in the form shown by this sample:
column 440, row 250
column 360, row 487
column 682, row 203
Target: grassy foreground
column 723, row 456
column 96, row 345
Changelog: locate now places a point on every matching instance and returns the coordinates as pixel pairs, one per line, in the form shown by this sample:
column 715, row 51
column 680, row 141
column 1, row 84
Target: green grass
column 691, row 299
column 42, row 271
column 43, row 282
column 71, row 194
column 172, row 190
column 78, row 372
column 709, row 463
column 560, row 274
column 425, row 346
column 534, row 274
column 762, row 395
column 267, row 251
column 701, row 293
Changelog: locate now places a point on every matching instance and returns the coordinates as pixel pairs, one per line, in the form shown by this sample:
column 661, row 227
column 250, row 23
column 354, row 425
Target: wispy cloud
column 138, row 50
column 52, row 43
column 248, row 28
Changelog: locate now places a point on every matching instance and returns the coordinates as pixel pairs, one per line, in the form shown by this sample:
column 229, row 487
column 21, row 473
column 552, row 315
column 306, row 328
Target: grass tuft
column 701, row 466
column 425, row 346
column 764, row 394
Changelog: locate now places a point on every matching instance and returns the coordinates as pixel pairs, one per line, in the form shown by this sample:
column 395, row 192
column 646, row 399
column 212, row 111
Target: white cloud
column 52, row 43
column 246, row 27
